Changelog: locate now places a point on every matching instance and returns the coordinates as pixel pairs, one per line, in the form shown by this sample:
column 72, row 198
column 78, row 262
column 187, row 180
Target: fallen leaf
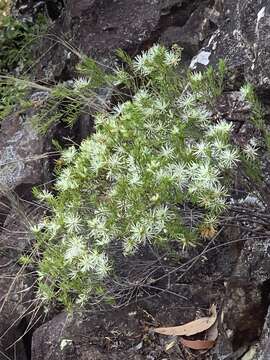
column 197, row 344
column 212, row 332
column 191, row 328
column 211, row 335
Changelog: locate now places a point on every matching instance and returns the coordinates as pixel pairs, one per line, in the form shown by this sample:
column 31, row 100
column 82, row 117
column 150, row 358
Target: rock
column 18, row 348
column 16, row 284
column 191, row 34
column 24, row 161
column 12, row 311
column 247, row 299
column 84, row 338
column 22, row 152
column 101, row 27
column 242, row 39
column 259, row 73
column 262, row 350
column 28, row 10
column 23, row 165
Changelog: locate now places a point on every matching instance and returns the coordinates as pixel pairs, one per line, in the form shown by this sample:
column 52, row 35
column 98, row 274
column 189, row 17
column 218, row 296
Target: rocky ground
column 231, row 271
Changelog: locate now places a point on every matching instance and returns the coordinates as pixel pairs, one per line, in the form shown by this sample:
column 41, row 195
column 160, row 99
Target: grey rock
column 101, row 27
column 246, row 301
column 22, row 149
column 16, row 284
column 191, row 34
column 24, row 158
column 79, row 337
column 242, row 39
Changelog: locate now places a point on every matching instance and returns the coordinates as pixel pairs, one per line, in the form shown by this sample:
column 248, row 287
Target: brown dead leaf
column 197, row 344
column 191, row 328
column 212, row 332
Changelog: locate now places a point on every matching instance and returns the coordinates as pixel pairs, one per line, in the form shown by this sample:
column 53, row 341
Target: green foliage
column 251, row 163
column 16, row 41
column 257, row 112
column 252, row 168
column 210, row 83
column 155, row 158
column 66, row 101
column 13, row 94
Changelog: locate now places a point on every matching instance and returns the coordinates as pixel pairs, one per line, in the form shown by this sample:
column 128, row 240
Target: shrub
column 151, row 173
column 17, row 39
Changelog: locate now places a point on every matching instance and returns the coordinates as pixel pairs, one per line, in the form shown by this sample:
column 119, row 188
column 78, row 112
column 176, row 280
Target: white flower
column 196, row 113
column 73, row 223
column 99, row 230
column 141, row 231
column 141, row 63
column 147, row 61
column 163, row 174
column 45, row 195
column 86, row 263
column 161, row 215
column 179, row 173
column 68, row 154
column 228, row 158
column 65, row 180
column 76, row 248
column 115, row 162
column 203, row 115
column 172, row 58
column 204, row 175
column 213, row 200
column 100, row 263
column 101, row 119
column 221, row 129
column 202, row 149
column 119, row 108
column 251, row 149
column 97, row 156
column 247, row 91
column 210, row 221
column 135, row 178
column 81, row 83
column 129, row 247
column 196, row 76
column 121, row 76
column 142, row 96
column 160, row 105
column 36, row 228
column 154, row 51
column 134, row 172
column 153, row 128
column 167, row 151
column 53, row 227
column 148, row 111
column 186, row 100
column 218, row 145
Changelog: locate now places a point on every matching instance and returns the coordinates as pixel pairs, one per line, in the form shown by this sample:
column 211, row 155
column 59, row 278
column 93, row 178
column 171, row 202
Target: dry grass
column 4, row 9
